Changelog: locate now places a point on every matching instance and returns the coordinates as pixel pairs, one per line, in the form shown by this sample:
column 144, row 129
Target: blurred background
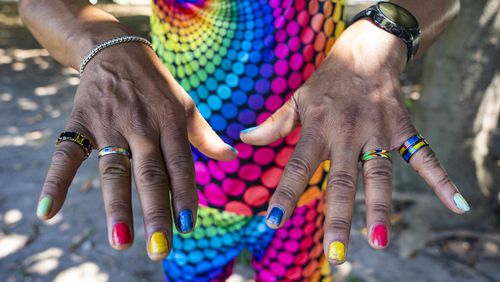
column 453, row 94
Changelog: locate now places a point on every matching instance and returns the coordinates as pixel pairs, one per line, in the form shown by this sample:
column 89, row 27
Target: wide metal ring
column 77, row 138
column 114, row 150
column 411, row 146
column 375, row 154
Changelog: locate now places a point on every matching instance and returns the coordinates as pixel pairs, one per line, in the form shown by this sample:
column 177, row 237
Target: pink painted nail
column 380, row 236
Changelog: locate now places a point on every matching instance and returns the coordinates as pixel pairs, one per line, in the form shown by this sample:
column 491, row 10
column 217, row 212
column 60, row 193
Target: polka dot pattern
column 296, row 251
column 291, row 253
column 240, row 61
column 208, row 253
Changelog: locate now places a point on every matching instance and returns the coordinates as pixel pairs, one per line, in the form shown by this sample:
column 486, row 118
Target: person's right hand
column 127, row 98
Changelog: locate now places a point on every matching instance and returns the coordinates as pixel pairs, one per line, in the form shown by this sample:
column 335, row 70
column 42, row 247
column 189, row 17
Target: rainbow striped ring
column 411, row 146
column 375, row 154
column 114, row 150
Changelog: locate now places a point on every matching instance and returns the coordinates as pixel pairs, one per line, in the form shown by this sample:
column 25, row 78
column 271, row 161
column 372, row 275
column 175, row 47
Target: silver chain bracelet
column 109, row 43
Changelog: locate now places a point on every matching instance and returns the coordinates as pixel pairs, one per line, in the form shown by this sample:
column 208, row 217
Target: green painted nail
column 461, row 202
column 44, row 206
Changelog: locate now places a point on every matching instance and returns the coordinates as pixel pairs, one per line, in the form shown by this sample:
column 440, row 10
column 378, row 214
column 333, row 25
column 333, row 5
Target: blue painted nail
column 249, row 129
column 185, row 220
column 232, row 148
column 275, row 216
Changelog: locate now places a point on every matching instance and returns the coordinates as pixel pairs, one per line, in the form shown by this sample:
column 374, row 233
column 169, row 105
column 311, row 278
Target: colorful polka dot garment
column 240, row 61
column 292, row 253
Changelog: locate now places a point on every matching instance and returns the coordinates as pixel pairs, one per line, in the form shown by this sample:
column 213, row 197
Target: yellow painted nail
column 336, row 251
column 158, row 243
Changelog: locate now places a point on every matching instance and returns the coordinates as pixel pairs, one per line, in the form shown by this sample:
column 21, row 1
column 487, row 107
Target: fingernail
column 460, row 202
column 158, row 243
column 232, row 148
column 275, row 216
column 44, row 206
column 379, row 236
column 121, row 234
column 185, row 220
column 336, row 251
column 250, row 129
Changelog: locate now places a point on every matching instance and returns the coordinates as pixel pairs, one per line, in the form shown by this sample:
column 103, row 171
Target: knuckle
column 343, row 183
column 286, row 194
column 54, row 183
column 80, row 120
column 338, row 224
column 379, row 174
column 157, row 215
column 298, row 168
column 62, row 154
column 175, row 124
column 314, row 135
column 404, row 127
column 380, row 207
column 429, row 159
column 443, row 181
column 139, row 120
column 119, row 206
column 151, row 173
column 180, row 165
column 184, row 197
column 189, row 108
column 114, row 170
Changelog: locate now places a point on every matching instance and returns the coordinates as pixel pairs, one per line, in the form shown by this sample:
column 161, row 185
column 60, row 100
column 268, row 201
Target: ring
column 376, row 154
column 411, row 146
column 114, row 150
column 77, row 138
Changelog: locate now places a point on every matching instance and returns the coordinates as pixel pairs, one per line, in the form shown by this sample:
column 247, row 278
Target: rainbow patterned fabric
column 240, row 61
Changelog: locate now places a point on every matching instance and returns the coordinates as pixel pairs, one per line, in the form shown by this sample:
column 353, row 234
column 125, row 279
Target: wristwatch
column 396, row 20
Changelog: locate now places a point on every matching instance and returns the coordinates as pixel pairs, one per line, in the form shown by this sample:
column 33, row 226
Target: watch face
column 398, row 15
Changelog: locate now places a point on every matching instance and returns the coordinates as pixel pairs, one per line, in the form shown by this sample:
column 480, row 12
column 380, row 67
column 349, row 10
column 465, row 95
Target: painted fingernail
column 121, row 234
column 336, row 251
column 248, row 130
column 275, row 216
column 379, row 236
column 460, row 202
column 185, row 220
column 44, row 206
column 232, row 148
column 158, row 243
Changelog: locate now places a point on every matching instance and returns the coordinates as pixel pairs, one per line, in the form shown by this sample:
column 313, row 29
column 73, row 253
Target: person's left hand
column 351, row 104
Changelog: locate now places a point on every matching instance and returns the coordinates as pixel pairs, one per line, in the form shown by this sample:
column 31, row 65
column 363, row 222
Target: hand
column 127, row 98
column 351, row 104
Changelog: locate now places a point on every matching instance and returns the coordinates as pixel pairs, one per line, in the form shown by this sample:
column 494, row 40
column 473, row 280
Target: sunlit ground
column 35, row 100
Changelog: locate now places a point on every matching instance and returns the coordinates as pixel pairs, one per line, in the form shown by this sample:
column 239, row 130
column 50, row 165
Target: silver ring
column 114, row 150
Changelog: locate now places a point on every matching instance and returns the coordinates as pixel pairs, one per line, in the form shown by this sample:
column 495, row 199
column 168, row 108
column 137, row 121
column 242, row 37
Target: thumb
column 277, row 126
column 205, row 139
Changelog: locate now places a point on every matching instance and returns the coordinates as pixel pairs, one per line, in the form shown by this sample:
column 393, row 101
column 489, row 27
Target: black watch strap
column 409, row 36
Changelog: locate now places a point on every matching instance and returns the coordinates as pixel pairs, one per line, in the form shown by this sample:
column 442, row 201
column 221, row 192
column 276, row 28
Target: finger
column 377, row 178
column 305, row 159
column 206, row 140
column 116, row 183
column 340, row 192
column 153, row 187
column 426, row 164
column 277, row 126
column 67, row 158
column 179, row 162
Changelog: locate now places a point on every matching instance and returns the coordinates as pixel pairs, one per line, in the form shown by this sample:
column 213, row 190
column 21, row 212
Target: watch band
column 409, row 36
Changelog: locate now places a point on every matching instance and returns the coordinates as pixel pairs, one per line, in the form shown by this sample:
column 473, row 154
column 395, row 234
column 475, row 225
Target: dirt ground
column 35, row 100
